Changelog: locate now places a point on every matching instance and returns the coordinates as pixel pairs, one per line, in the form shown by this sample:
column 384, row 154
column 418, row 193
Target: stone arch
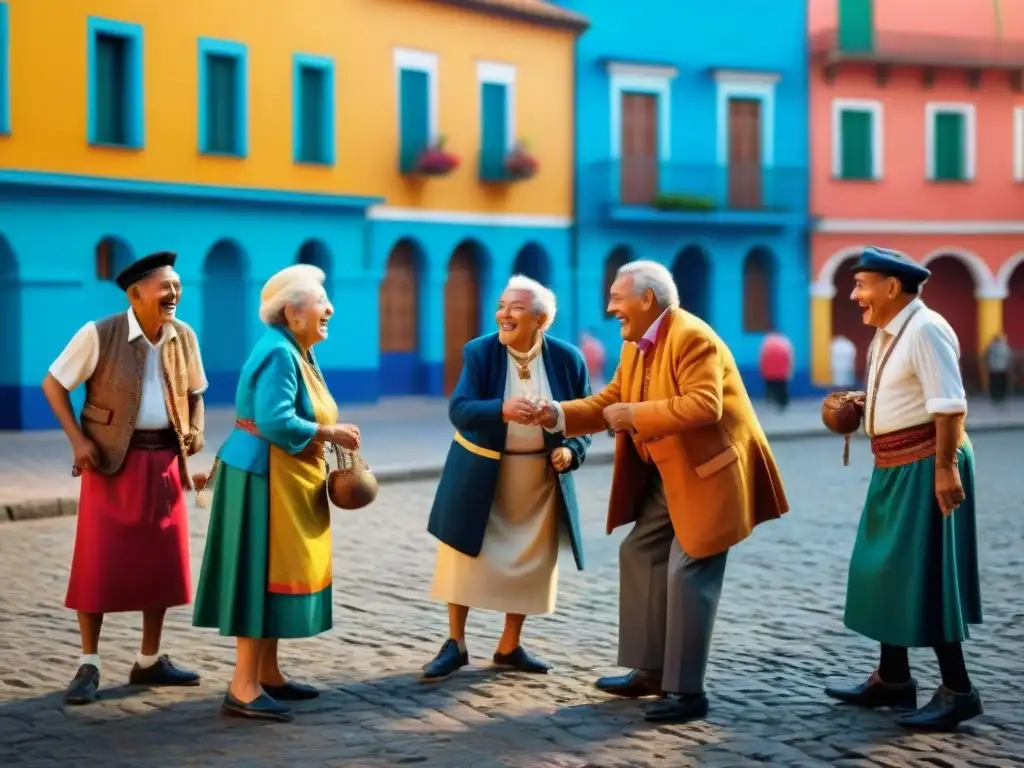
column 1013, row 305
column 691, row 271
column 1007, row 272
column 827, row 281
column 112, row 254
column 399, row 301
column 760, row 281
column 617, row 258
column 533, row 261
column 981, row 275
column 11, row 339
column 462, row 305
column 952, row 291
column 847, row 316
column 316, row 253
column 226, row 318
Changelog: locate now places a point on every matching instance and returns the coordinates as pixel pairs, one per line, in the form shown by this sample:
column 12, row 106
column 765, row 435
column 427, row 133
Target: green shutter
column 857, row 150
column 493, row 130
column 414, row 108
column 221, row 104
column 856, row 26
column 312, row 97
column 949, row 147
column 111, row 97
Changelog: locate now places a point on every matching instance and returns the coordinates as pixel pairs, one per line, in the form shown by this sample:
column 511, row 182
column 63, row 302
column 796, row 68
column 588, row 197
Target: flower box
column 436, row 161
column 520, row 164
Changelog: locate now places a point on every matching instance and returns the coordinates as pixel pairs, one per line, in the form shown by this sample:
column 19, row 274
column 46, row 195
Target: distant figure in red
column 594, row 356
column 777, row 368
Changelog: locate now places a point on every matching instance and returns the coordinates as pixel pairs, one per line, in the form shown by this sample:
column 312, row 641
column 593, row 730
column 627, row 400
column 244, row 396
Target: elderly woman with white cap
column 267, row 570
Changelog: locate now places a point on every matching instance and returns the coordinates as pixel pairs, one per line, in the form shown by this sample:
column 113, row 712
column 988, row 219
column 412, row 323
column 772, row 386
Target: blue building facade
column 693, row 150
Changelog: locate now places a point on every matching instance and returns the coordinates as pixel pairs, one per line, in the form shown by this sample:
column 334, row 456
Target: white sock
column 145, row 661
column 90, row 658
column 462, row 645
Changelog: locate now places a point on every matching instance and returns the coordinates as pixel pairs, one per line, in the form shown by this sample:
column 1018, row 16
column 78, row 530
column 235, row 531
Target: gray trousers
column 667, row 599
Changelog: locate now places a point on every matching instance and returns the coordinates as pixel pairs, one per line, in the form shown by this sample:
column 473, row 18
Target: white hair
column 651, row 274
column 544, row 302
column 293, row 286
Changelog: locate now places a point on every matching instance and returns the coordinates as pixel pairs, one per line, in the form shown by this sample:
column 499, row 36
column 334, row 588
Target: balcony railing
column 683, row 188
column 916, row 48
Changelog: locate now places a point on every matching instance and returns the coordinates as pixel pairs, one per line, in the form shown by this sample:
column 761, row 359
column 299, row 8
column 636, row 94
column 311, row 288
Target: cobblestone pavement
column 779, row 638
column 402, row 438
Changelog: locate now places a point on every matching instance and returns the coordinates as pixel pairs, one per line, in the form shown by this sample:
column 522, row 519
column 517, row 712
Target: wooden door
column 399, row 303
column 461, row 312
column 638, row 164
column 744, row 153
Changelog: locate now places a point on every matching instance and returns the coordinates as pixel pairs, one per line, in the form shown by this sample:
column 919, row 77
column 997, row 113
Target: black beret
column 890, row 263
column 137, row 270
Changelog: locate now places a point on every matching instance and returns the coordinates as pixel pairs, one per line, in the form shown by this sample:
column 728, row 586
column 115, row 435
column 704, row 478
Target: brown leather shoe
column 876, row 693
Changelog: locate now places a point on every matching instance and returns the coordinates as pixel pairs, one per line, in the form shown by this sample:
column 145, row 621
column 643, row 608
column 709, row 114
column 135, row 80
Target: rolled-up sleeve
column 936, row 359
column 78, row 360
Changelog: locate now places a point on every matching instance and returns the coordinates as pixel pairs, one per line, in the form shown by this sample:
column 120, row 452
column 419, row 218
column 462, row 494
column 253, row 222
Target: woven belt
column 313, row 452
column 154, row 440
column 905, row 446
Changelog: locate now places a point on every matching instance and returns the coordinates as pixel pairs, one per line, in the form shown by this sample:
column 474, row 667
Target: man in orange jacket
column 693, row 471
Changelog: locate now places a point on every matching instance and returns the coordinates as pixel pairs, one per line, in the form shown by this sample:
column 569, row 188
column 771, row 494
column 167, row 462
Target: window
column 5, row 72
column 950, row 141
column 497, row 118
column 856, row 139
column 856, row 26
column 223, row 98
column 313, row 110
column 417, row 105
column 115, row 84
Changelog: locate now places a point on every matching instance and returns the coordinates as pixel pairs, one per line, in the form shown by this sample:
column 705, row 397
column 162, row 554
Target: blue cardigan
column 272, row 394
column 462, row 503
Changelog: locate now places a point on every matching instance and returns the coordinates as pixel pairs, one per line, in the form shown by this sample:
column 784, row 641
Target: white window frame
column 746, row 85
column 934, row 108
column 640, row 78
column 1018, row 143
column 494, row 73
column 877, row 111
column 417, row 61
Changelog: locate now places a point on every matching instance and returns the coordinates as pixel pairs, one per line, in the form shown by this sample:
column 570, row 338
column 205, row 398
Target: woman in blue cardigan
column 507, row 498
column 267, row 570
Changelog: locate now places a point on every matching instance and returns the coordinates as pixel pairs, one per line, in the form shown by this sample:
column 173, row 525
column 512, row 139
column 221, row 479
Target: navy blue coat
column 462, row 504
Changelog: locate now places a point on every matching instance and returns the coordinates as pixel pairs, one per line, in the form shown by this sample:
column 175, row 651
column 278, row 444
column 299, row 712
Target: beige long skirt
column 517, row 568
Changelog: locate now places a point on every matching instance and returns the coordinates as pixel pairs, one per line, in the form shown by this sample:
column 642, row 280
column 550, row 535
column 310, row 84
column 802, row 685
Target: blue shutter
column 949, row 147
column 856, row 26
column 312, row 147
column 111, row 97
column 221, row 104
column 414, row 108
column 494, row 131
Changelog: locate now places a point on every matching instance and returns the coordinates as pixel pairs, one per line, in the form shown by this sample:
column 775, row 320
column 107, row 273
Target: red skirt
column 131, row 547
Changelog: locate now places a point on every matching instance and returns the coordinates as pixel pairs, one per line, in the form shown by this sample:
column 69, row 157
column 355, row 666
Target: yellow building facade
column 419, row 150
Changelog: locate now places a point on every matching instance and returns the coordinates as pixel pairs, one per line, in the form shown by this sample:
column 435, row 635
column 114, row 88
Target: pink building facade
column 917, row 143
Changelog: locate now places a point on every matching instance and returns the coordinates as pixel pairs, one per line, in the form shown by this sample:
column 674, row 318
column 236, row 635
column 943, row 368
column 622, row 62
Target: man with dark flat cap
column 913, row 580
column 143, row 415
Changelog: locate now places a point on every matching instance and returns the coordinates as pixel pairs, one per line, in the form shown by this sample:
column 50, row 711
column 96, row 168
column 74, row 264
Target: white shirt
column 843, row 360
column 922, row 377
column 521, row 437
column 78, row 361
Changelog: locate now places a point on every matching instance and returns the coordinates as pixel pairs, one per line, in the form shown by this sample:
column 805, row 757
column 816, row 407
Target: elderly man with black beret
column 143, row 415
column 913, row 580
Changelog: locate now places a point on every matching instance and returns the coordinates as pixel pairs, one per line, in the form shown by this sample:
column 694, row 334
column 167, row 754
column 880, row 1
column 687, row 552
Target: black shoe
column 945, row 711
column 448, row 661
column 261, row 708
column 678, row 708
column 633, row 685
column 162, row 673
column 876, row 693
column 522, row 661
column 84, row 689
column 291, row 691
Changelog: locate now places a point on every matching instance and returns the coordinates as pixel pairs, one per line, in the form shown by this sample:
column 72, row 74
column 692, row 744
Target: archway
column 759, row 294
column 1013, row 321
column 225, row 319
column 533, row 261
column 618, row 258
column 461, row 308
column 691, row 272
column 401, row 371
column 950, row 292
column 10, row 339
column 314, row 252
column 847, row 316
column 111, row 255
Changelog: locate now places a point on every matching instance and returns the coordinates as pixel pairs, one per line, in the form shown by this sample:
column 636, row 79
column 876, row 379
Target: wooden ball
column 841, row 413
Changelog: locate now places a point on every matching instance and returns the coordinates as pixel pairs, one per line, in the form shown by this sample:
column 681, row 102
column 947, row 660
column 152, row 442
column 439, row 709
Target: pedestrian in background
column 594, row 354
column 843, row 364
column 777, row 368
column 999, row 368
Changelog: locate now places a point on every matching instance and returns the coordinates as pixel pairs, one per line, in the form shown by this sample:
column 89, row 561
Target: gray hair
column 544, row 302
column 651, row 274
column 293, row 286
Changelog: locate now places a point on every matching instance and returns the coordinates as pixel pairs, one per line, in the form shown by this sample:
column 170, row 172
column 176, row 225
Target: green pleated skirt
column 232, row 595
column 914, row 572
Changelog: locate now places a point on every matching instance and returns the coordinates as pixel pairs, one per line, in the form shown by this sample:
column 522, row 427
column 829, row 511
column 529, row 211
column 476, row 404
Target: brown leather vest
column 114, row 391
